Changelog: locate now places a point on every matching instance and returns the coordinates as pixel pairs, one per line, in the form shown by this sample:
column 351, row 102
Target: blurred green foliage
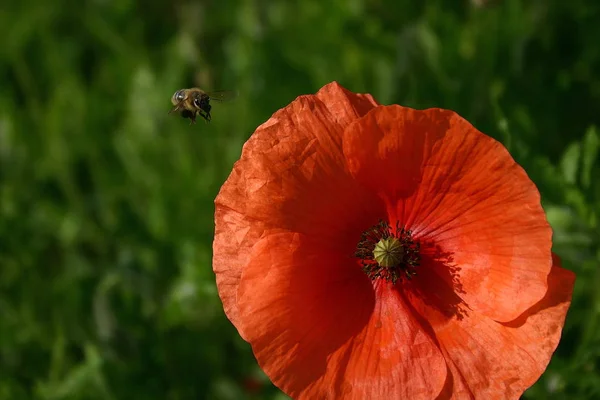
column 106, row 202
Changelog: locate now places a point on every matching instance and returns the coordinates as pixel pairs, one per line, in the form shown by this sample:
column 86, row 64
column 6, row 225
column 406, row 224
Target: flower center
column 388, row 253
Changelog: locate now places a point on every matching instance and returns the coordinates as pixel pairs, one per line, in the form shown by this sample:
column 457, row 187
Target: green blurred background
column 106, row 202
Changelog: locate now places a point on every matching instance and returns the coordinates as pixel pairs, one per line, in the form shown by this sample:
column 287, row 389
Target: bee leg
column 186, row 114
column 207, row 111
column 176, row 108
column 192, row 118
column 206, row 116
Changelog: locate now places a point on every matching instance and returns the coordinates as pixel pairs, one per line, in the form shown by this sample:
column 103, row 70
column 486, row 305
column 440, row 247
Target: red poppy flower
column 381, row 252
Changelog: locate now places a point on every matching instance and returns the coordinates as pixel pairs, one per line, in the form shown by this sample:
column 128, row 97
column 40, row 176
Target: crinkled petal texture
column 291, row 176
column 465, row 194
column 480, row 319
column 321, row 331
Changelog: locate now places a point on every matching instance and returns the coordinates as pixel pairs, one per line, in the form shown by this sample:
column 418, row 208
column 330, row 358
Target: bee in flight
column 193, row 102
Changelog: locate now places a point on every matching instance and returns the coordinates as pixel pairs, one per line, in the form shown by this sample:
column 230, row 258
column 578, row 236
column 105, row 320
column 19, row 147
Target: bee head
column 178, row 96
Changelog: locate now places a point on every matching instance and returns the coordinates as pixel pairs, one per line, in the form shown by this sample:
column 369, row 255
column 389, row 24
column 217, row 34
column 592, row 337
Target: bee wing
column 222, row 95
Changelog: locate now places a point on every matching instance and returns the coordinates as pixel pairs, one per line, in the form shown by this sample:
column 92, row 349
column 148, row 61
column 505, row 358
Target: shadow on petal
column 560, row 288
column 437, row 284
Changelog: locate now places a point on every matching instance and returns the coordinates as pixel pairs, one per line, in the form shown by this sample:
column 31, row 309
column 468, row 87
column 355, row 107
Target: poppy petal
column 488, row 359
column 292, row 160
column 320, row 329
column 461, row 191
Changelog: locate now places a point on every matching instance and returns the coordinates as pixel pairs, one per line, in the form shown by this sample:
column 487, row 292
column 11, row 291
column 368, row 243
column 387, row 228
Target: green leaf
column 589, row 155
column 569, row 164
